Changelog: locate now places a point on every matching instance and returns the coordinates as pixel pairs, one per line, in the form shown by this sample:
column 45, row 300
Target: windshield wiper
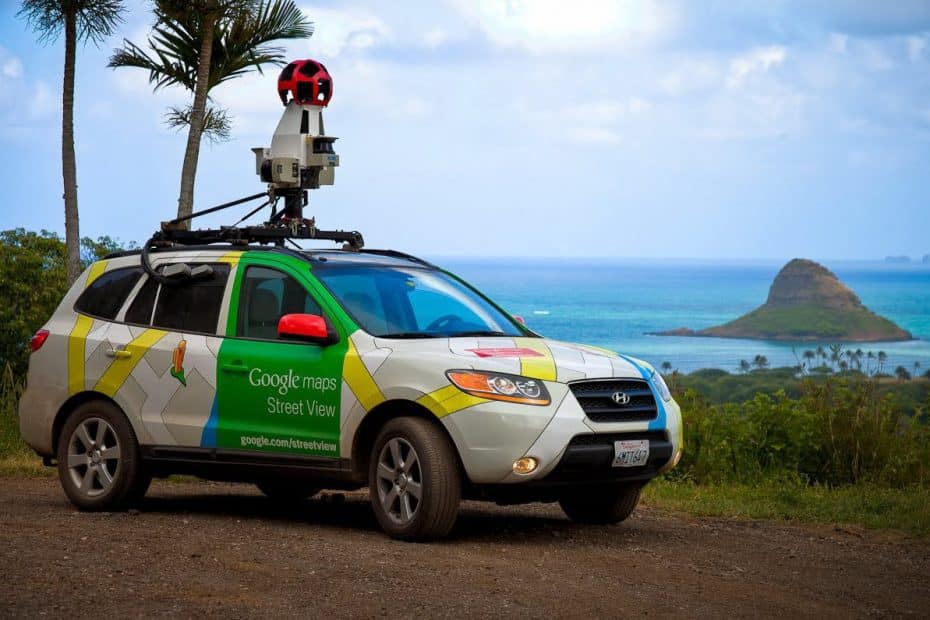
column 479, row 332
column 410, row 335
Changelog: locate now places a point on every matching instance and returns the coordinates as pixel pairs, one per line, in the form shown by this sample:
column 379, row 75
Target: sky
column 738, row 129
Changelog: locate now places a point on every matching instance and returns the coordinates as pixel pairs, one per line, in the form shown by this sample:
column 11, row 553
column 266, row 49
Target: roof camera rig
column 301, row 157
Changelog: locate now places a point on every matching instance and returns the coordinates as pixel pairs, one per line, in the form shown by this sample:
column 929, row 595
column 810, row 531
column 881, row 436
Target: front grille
column 596, row 399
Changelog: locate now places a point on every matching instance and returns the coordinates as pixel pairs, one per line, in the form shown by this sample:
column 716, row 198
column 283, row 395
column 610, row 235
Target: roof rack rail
column 396, row 254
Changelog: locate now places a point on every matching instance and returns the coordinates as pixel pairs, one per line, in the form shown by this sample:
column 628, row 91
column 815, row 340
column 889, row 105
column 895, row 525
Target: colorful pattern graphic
column 177, row 365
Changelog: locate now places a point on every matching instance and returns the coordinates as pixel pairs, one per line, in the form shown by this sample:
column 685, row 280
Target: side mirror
column 308, row 327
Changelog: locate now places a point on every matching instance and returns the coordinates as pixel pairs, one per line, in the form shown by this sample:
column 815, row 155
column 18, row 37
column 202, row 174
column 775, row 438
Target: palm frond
column 217, row 122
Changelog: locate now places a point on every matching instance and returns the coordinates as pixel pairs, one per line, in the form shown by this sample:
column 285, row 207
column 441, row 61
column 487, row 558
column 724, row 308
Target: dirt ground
column 204, row 549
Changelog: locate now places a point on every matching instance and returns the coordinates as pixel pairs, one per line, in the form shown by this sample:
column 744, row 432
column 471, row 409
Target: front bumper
column 569, row 447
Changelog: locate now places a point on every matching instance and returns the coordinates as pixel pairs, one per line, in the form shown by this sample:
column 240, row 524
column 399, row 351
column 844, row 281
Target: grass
column 906, row 510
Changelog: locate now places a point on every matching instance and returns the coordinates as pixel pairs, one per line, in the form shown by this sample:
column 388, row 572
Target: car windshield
column 400, row 302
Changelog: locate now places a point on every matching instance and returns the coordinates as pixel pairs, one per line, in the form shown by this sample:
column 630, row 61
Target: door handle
column 120, row 354
column 235, row 367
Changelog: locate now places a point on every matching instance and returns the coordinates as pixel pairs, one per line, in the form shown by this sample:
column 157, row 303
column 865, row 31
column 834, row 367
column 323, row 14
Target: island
column 806, row 302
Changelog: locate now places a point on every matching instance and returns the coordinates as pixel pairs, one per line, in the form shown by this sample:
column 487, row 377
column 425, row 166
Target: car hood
column 540, row 358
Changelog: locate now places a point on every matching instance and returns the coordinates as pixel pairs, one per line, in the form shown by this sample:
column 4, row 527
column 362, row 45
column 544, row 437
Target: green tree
column 902, row 374
column 744, row 366
column 33, row 279
column 199, row 44
column 882, row 358
column 81, row 20
column 760, row 362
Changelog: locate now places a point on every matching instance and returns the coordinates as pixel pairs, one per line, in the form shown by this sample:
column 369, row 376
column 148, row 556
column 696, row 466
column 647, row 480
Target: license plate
column 631, row 453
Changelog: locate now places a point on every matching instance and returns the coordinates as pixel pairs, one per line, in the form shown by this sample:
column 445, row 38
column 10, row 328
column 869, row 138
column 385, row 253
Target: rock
column 806, row 302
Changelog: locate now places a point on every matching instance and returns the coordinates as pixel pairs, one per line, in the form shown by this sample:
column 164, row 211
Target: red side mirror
column 311, row 327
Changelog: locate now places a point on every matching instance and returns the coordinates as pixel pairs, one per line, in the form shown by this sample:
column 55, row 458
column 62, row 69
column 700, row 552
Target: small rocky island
column 806, row 302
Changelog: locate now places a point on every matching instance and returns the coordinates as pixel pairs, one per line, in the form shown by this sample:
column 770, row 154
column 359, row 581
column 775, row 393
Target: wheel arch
column 73, row 402
column 374, row 420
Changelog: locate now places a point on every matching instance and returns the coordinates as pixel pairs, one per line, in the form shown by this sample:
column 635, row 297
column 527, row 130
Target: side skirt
column 245, row 466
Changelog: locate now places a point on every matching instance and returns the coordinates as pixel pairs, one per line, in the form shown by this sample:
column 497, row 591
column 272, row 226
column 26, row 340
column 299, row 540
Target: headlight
column 500, row 386
column 660, row 385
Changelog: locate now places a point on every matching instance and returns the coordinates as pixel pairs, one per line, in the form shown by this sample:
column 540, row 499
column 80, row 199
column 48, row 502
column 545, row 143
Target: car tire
column 604, row 505
column 99, row 463
column 414, row 481
column 287, row 492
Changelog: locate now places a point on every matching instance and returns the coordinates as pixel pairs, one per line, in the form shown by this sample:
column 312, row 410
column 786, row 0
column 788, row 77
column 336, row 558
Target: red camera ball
column 308, row 82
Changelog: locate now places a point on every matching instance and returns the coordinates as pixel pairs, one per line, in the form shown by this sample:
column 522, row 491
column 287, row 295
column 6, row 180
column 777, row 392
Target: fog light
column 526, row 465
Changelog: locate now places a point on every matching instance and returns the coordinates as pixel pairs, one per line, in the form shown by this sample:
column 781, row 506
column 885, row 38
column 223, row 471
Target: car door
column 170, row 335
column 276, row 395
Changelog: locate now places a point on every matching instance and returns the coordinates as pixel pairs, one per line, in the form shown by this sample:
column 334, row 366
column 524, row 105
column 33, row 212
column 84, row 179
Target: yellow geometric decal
column 537, row 367
column 230, row 257
column 122, row 366
column 359, row 380
column 448, row 400
column 78, row 337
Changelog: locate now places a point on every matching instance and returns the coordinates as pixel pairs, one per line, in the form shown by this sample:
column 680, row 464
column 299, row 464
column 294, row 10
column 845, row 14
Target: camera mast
column 301, row 157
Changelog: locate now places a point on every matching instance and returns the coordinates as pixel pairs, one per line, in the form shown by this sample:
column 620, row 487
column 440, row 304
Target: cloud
column 542, row 26
column 342, row 31
column 916, row 46
column 12, row 67
column 757, row 60
column 593, row 135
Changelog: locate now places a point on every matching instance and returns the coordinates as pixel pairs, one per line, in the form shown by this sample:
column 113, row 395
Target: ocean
column 612, row 303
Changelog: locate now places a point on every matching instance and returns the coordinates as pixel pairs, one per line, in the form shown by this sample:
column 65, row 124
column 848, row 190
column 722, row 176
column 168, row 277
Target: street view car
column 334, row 369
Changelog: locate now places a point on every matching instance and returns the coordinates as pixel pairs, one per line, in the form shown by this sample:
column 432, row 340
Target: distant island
column 897, row 259
column 806, row 302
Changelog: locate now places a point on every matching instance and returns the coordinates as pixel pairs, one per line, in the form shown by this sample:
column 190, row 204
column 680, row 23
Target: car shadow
column 476, row 522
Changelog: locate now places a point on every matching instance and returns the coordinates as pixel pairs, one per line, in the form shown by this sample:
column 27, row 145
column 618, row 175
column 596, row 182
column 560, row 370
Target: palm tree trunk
column 68, row 160
column 192, row 152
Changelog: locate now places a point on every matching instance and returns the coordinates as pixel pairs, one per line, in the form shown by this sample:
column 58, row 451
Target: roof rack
column 282, row 226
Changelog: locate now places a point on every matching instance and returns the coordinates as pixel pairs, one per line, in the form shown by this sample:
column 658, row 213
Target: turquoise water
column 613, row 303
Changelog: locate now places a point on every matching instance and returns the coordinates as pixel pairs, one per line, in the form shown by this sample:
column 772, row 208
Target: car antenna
column 301, row 157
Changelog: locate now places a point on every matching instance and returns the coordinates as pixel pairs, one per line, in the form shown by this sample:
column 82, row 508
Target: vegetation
column 33, row 279
column 807, row 322
column 81, row 20
column 199, row 44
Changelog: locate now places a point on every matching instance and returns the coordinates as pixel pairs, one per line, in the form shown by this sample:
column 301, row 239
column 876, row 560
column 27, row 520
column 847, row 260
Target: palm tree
column 836, row 351
column 666, row 367
column 808, row 358
column 199, row 44
column 916, row 368
column 84, row 20
column 760, row 362
column 902, row 374
column 882, row 358
column 868, row 364
column 744, row 366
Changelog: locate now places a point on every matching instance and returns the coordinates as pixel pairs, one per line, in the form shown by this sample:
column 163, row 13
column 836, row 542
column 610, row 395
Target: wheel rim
column 399, row 481
column 93, row 457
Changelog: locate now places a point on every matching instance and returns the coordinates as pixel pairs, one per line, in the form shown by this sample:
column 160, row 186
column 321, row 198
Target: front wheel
column 602, row 505
column 99, row 464
column 414, row 481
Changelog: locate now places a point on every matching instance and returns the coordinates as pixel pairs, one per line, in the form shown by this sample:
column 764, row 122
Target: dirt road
column 199, row 549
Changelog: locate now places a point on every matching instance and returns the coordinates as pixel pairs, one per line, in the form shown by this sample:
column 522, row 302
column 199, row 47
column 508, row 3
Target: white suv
column 302, row 370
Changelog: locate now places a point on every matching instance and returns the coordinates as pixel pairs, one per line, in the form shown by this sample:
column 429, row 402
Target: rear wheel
column 287, row 491
column 602, row 505
column 413, row 480
column 99, row 464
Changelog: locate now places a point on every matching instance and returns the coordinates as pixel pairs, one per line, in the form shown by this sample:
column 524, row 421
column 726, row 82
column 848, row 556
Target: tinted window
column 105, row 295
column 267, row 295
column 194, row 306
column 403, row 302
column 140, row 310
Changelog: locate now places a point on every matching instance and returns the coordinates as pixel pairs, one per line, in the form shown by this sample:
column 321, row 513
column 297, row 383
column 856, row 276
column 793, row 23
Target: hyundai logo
column 621, row 398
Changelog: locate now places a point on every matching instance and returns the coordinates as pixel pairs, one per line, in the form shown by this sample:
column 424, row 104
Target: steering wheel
column 443, row 321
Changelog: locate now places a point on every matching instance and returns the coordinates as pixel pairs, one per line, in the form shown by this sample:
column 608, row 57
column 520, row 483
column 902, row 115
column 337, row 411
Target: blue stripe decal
column 659, row 423
column 208, row 438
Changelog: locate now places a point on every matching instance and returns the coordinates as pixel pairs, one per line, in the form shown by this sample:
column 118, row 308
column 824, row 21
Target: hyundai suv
column 304, row 370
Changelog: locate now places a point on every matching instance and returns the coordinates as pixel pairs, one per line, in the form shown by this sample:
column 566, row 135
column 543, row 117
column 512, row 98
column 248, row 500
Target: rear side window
column 140, row 310
column 191, row 307
column 105, row 295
